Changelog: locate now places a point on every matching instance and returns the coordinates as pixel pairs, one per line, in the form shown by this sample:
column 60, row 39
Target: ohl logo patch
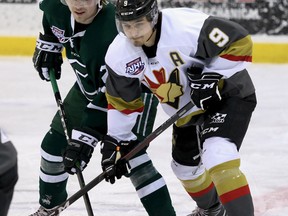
column 135, row 67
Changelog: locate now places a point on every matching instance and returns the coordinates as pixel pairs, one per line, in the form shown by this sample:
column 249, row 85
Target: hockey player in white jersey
column 182, row 54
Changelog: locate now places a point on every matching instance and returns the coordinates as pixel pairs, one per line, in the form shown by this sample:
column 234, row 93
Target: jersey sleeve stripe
column 240, row 50
column 237, row 58
column 123, row 106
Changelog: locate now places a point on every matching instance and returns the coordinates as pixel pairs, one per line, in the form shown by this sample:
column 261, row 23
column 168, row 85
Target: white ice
column 27, row 106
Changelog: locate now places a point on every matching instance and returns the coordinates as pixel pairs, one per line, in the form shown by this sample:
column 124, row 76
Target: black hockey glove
column 47, row 56
column 204, row 89
column 79, row 151
column 112, row 151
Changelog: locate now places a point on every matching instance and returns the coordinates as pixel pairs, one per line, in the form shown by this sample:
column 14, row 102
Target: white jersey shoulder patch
column 130, row 61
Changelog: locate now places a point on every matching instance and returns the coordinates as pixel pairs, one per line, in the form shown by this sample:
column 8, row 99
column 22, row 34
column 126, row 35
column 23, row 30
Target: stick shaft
column 133, row 152
column 64, row 124
column 159, row 130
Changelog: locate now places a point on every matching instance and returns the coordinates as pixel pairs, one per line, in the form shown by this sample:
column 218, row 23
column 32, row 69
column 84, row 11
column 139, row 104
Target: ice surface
column 27, row 105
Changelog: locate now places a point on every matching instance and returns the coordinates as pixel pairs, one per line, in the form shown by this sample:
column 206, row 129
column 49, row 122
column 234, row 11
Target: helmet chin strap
column 99, row 7
column 151, row 34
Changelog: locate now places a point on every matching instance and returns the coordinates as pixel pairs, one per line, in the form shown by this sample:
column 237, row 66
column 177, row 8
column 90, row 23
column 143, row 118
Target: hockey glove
column 79, row 150
column 47, row 56
column 112, row 151
column 204, row 89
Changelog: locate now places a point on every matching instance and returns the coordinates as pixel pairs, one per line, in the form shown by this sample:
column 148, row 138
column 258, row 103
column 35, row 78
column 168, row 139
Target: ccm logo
column 208, row 130
column 203, row 86
column 50, row 47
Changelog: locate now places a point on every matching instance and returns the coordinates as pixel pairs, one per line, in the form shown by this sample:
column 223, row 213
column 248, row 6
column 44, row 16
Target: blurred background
column 266, row 20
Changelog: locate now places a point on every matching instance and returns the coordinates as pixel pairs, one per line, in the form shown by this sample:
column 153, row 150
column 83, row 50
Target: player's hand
column 47, row 56
column 79, row 151
column 204, row 89
column 112, row 151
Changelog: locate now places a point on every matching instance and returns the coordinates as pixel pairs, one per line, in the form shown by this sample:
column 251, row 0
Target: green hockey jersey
column 85, row 45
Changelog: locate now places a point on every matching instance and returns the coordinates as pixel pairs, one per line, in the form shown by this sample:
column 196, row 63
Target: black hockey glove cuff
column 112, row 151
column 79, row 151
column 204, row 89
column 47, row 56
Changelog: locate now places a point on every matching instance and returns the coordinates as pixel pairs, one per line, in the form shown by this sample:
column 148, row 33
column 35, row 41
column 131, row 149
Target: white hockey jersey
column 185, row 37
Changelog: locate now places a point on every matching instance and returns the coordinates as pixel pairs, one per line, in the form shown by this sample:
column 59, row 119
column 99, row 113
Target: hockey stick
column 128, row 156
column 64, row 124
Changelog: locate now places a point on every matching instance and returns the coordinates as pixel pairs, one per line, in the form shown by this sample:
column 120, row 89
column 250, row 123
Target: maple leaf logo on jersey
column 135, row 67
column 168, row 91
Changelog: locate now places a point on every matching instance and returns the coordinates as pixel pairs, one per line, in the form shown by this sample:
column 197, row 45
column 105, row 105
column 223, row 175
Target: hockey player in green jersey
column 85, row 28
column 184, row 55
